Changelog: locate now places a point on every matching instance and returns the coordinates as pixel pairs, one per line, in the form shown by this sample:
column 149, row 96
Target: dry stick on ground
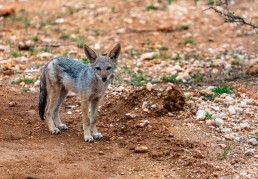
column 230, row 17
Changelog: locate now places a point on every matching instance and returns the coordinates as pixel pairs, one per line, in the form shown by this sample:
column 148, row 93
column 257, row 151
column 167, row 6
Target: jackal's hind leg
column 50, row 112
column 59, row 99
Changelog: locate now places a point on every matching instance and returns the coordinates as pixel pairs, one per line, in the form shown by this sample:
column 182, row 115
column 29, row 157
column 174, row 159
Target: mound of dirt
column 142, row 102
column 252, row 68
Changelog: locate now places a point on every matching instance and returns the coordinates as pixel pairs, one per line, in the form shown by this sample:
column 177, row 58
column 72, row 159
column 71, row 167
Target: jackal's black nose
column 104, row 78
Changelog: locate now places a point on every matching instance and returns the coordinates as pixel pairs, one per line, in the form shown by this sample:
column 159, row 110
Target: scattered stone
column 229, row 137
column 200, row 115
column 130, row 116
column 59, row 20
column 25, row 45
column 229, row 99
column 22, row 67
column 120, row 89
column 6, row 11
column 244, row 125
column 253, row 142
column 206, row 91
column 256, row 131
column 4, row 48
column 226, row 130
column 69, row 112
column 219, row 122
column 249, row 152
column 12, row 104
column 232, row 109
column 141, row 149
column 149, row 86
column 8, row 72
column 45, row 56
column 148, row 56
column 37, row 83
column 143, row 124
column 144, row 105
column 7, row 66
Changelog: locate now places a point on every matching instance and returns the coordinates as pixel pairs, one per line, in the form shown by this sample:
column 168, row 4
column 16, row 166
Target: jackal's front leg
column 85, row 119
column 93, row 109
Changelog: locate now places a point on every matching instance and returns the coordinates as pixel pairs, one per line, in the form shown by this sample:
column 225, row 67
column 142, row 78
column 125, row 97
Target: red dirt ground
column 29, row 150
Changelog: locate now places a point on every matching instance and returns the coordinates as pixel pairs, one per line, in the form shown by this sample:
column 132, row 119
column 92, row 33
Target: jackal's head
column 103, row 66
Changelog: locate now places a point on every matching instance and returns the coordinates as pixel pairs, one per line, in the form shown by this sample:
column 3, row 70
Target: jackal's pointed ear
column 114, row 53
column 91, row 54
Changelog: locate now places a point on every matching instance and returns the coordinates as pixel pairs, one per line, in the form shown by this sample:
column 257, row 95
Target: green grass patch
column 189, row 41
column 208, row 96
column 151, row 7
column 223, row 155
column 211, row 2
column 65, row 53
column 163, row 48
column 169, row 78
column 35, row 38
column 208, row 115
column 80, row 44
column 22, row 79
column 64, row 36
column 222, row 89
column 85, row 60
column 183, row 27
column 46, row 49
column 253, row 136
column 15, row 54
column 26, row 89
column 136, row 79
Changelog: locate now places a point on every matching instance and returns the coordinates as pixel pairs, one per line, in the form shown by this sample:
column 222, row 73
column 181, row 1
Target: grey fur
column 63, row 74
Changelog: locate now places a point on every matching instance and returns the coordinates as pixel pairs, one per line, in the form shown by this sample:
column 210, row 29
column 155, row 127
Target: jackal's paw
column 88, row 139
column 62, row 127
column 55, row 131
column 97, row 136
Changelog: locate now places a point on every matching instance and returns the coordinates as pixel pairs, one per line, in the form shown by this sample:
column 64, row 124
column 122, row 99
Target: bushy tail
column 42, row 94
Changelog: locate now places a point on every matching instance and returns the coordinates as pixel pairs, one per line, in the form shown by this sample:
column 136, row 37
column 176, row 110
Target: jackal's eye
column 97, row 68
column 108, row 68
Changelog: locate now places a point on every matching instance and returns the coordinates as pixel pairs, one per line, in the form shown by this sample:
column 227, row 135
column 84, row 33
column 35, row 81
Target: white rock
column 228, row 66
column 253, row 142
column 244, row 125
column 45, row 56
column 226, row 130
column 120, row 89
column 148, row 56
column 249, row 152
column 144, row 105
column 229, row 98
column 210, row 87
column 187, row 94
column 37, row 83
column 4, row 48
column 243, row 104
column 59, row 20
column 177, row 68
column 130, row 116
column 153, row 106
column 69, row 112
column 219, row 122
column 232, row 109
column 249, row 101
column 200, row 115
column 149, row 86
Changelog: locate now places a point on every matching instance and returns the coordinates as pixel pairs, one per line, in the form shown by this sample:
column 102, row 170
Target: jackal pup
column 63, row 74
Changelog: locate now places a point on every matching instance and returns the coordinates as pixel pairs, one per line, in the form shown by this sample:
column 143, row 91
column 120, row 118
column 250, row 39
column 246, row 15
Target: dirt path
column 28, row 150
